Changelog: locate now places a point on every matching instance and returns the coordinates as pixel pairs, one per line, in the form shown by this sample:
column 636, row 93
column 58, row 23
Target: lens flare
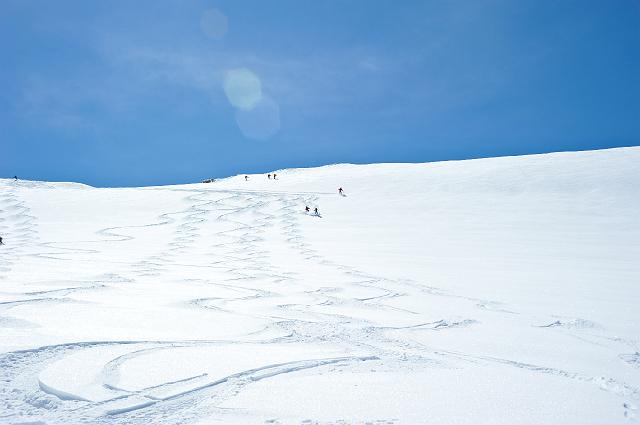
column 261, row 122
column 243, row 88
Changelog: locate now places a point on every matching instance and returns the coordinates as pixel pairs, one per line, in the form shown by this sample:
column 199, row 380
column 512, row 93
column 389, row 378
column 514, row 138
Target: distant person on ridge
column 274, row 176
column 306, row 209
column 269, row 176
column 15, row 178
column 315, row 211
column 246, row 178
column 1, row 243
column 340, row 191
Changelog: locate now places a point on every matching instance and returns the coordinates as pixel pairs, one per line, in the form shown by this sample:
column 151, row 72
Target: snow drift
column 493, row 291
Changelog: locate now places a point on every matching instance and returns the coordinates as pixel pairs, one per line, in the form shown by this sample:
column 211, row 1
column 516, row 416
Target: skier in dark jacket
column 340, row 191
column 1, row 243
column 306, row 209
column 315, row 211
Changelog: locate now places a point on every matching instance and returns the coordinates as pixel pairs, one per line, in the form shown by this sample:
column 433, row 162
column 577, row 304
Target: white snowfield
column 491, row 291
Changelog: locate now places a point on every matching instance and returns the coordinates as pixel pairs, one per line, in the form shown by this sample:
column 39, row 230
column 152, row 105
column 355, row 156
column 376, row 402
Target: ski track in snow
column 14, row 216
column 254, row 288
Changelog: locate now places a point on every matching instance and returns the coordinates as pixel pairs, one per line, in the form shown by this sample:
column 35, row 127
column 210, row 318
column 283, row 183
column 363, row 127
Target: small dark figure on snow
column 246, row 178
column 269, row 176
column 306, row 209
column 340, row 191
column 15, row 178
column 315, row 211
column 274, row 176
column 1, row 243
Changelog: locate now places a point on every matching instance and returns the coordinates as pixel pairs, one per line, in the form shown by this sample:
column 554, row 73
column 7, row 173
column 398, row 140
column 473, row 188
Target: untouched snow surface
column 493, row 291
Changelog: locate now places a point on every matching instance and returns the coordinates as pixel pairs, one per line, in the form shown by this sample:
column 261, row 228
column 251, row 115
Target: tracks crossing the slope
column 338, row 309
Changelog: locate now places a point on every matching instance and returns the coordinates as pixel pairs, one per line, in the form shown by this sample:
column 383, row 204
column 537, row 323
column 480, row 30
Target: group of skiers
column 307, row 210
column 246, row 178
column 315, row 210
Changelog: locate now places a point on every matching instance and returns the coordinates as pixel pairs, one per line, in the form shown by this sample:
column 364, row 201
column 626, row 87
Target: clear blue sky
column 118, row 93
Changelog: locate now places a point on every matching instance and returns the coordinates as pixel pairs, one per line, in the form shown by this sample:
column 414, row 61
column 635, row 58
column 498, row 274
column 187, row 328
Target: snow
column 469, row 395
column 493, row 291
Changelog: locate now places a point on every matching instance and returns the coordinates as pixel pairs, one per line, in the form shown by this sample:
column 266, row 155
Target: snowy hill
column 492, row 291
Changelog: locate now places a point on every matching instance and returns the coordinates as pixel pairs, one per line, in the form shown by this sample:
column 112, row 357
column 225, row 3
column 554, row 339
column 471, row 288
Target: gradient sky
column 121, row 93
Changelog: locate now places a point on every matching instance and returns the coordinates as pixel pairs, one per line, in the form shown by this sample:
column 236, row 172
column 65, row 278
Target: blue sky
column 123, row 93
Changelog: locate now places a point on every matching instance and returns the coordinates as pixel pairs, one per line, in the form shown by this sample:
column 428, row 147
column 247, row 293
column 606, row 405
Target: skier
column 274, row 176
column 315, row 211
column 246, row 178
column 269, row 176
column 306, row 209
column 1, row 243
column 15, row 178
column 340, row 191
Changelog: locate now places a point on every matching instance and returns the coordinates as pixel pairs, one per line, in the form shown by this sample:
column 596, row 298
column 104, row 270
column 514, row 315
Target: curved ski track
column 238, row 254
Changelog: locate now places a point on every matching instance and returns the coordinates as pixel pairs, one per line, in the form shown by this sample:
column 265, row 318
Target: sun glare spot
column 261, row 122
column 243, row 88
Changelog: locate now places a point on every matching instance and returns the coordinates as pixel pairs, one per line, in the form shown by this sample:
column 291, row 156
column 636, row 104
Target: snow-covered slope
column 493, row 291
